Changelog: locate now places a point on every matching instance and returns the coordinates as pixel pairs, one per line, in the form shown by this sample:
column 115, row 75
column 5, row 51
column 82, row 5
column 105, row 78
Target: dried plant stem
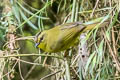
column 112, row 53
column 114, row 45
column 67, row 66
column 24, row 55
column 50, row 74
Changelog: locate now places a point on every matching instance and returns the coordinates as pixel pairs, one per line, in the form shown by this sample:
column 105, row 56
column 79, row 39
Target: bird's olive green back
column 62, row 37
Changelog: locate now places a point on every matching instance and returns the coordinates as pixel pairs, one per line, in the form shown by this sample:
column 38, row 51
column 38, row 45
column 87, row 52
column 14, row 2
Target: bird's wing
column 69, row 25
column 69, row 32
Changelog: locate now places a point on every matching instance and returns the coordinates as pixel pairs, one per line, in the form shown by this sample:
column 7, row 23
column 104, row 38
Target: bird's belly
column 59, row 46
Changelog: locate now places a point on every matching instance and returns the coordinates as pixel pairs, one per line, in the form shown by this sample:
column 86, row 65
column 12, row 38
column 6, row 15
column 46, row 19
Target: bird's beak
column 36, row 45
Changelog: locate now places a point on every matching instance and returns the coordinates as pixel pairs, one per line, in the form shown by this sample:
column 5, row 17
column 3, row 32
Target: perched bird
column 62, row 37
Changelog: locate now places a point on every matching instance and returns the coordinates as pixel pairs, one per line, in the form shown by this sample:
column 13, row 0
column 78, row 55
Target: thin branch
column 20, row 72
column 94, row 7
column 112, row 53
column 113, row 40
column 24, row 55
column 10, row 70
column 50, row 74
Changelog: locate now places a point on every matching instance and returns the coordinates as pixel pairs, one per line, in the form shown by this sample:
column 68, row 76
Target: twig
column 113, row 39
column 50, row 75
column 112, row 54
column 27, row 62
column 94, row 8
column 24, row 55
column 67, row 66
column 10, row 70
column 20, row 72
column 18, row 39
column 30, row 71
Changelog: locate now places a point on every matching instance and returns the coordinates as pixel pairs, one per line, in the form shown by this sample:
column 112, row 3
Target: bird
column 62, row 37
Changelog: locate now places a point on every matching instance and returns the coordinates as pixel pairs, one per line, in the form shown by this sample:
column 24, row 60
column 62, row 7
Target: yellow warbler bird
column 61, row 37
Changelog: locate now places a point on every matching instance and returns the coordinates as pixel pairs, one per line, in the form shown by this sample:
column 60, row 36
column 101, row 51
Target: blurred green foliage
column 32, row 16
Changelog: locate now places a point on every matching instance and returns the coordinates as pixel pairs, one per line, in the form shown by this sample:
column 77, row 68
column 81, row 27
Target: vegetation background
column 97, row 57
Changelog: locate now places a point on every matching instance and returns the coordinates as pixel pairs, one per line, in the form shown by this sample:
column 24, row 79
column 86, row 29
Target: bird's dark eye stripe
column 36, row 37
column 38, row 34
